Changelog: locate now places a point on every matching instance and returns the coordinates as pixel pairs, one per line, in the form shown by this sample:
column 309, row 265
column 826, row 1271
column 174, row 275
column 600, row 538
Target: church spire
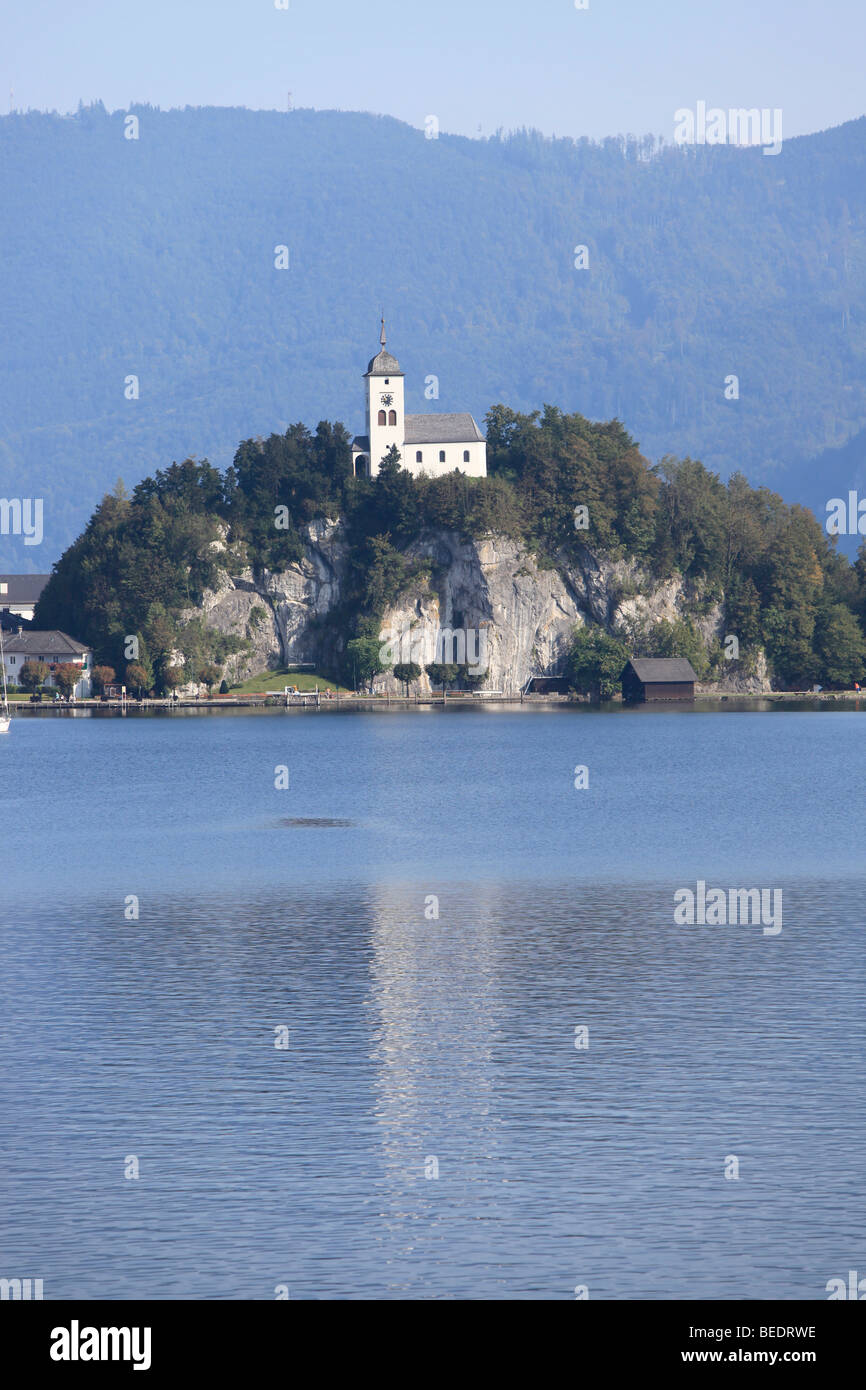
column 384, row 363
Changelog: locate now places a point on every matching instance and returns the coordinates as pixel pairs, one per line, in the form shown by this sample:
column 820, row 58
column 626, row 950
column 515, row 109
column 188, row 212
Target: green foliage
column 137, row 565
column 442, row 673
column 677, row 638
column 407, row 672
column 209, row 675
column 277, row 486
column 364, row 660
column 840, row 647
column 171, row 677
column 557, row 463
column 33, row 675
column 101, row 676
column 136, row 678
column 66, row 677
column 471, row 679
column 595, row 663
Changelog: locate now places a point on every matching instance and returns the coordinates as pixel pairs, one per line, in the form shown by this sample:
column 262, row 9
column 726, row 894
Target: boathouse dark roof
column 656, row 670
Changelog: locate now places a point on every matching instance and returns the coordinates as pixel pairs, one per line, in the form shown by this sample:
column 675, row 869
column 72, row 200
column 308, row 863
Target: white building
column 55, row 649
column 432, row 444
column 19, row 593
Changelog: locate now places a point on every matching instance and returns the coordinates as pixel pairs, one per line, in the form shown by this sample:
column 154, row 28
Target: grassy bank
column 275, row 682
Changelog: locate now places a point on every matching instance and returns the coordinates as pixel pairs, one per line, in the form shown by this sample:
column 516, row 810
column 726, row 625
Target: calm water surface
column 414, row 1039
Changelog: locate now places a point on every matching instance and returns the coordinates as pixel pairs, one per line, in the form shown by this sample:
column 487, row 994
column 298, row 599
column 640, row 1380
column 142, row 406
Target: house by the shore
column 55, row 649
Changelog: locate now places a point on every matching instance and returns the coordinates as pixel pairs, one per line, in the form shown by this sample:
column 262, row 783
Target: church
column 432, row 444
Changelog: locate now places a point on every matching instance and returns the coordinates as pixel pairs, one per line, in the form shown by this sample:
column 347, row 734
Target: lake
column 384, row 1006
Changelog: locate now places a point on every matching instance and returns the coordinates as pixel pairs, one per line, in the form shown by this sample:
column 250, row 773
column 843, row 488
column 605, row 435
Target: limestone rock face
column 303, row 595
column 273, row 614
column 739, row 681
column 513, row 617
column 237, row 609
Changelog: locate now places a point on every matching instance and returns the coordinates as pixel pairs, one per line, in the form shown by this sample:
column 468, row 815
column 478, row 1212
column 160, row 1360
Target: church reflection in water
column 436, row 1023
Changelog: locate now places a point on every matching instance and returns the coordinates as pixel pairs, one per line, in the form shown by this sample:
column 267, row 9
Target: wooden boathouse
column 658, row 678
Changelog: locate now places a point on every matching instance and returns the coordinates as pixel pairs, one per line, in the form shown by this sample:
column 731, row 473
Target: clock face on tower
column 387, row 400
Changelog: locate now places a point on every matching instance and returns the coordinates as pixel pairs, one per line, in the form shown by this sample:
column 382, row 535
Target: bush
column 136, row 677
column 595, row 663
column 209, row 675
column 102, row 676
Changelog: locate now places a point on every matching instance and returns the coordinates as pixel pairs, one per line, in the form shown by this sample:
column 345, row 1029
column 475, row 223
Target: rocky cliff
column 514, row 617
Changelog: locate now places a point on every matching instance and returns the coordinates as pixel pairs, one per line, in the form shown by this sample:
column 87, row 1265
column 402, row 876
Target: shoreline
column 727, row 702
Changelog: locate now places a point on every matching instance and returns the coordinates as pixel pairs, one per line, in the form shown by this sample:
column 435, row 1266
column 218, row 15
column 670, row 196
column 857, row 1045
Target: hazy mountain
column 155, row 258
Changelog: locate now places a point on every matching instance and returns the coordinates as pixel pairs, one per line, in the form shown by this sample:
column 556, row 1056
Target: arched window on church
column 465, row 455
column 419, row 457
column 383, row 418
column 392, row 417
column 441, row 455
column 362, row 466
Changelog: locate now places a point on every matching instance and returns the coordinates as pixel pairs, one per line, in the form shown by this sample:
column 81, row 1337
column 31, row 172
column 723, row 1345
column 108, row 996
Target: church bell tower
column 386, row 419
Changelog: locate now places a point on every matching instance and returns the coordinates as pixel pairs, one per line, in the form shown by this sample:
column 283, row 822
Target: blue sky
column 620, row 66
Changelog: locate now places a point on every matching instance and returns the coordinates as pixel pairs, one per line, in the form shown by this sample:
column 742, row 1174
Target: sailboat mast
column 3, row 669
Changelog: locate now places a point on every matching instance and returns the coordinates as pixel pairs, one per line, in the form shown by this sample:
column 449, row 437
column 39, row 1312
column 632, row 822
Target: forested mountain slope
column 154, row 258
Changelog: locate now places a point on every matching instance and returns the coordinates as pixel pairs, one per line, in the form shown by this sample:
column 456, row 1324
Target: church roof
column 442, row 429
column 361, row 441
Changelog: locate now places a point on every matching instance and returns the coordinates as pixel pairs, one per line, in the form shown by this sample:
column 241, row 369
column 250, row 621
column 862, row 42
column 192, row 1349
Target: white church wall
column 431, row 464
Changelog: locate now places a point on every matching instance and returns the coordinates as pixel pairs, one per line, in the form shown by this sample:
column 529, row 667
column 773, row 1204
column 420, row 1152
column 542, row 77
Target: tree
column 33, row 674
column 677, row 638
column 364, row 655
column 393, row 504
column 443, row 672
column 840, row 646
column 407, row 672
column 136, row 678
column 224, row 687
column 692, row 511
column 101, row 676
column 209, row 675
column 472, row 678
column 66, row 677
column 172, row 677
column 595, row 662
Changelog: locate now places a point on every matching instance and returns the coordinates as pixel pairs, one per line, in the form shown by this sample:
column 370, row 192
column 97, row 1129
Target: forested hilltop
column 561, row 486
column 154, row 258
